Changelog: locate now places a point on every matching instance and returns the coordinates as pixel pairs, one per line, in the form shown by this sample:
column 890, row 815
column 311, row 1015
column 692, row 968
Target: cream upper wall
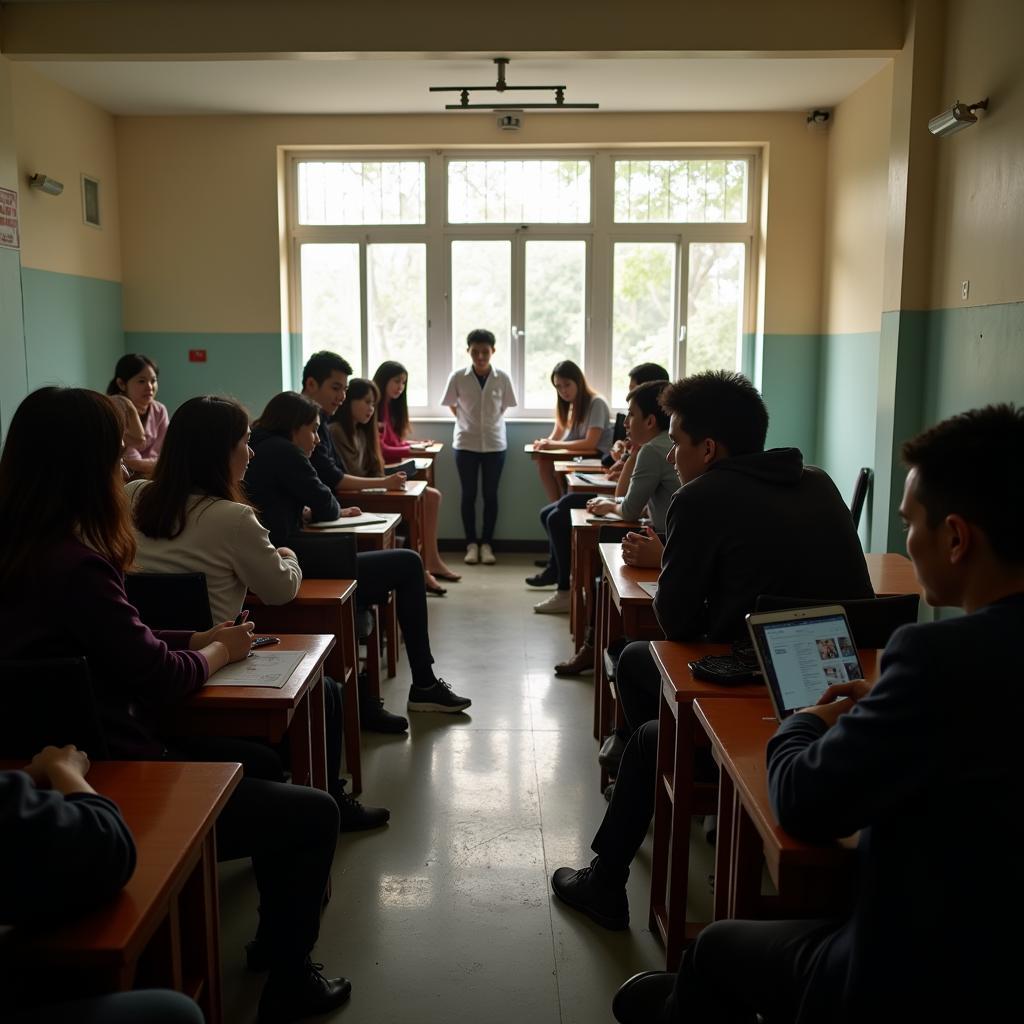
column 207, row 189
column 63, row 136
column 855, row 209
column 979, row 209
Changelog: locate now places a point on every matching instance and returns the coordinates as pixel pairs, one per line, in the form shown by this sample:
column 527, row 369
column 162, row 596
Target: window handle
column 517, row 333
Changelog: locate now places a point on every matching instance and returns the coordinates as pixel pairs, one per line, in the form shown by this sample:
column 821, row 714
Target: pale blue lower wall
column 13, row 375
column 73, row 329
column 789, row 365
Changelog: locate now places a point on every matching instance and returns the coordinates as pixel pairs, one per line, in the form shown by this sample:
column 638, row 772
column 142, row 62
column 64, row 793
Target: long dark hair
column 127, row 367
column 358, row 388
column 398, row 410
column 286, row 412
column 195, row 459
column 579, row 406
column 40, row 507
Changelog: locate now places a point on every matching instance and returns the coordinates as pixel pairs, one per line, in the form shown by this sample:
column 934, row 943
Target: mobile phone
column 262, row 641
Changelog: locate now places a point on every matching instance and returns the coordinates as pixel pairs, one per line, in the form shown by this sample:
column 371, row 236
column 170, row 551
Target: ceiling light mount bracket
column 501, row 86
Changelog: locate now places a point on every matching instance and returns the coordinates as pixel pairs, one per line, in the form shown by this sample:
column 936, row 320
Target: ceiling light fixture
column 502, row 86
column 958, row 117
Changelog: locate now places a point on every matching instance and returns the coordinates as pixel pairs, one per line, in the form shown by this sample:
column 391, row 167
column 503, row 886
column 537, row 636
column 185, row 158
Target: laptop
column 802, row 652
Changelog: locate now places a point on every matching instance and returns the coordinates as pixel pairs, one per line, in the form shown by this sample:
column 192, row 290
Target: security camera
column 50, row 186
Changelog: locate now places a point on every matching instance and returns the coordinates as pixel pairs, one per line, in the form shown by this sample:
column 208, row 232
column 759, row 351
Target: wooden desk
column 892, row 574
column 430, row 451
column 296, row 710
column 408, row 503
column 577, row 485
column 810, row 879
column 374, row 536
column 584, row 567
column 559, row 454
column 623, row 609
column 163, row 929
column 573, row 466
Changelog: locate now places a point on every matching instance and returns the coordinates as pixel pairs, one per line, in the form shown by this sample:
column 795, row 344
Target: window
column 609, row 259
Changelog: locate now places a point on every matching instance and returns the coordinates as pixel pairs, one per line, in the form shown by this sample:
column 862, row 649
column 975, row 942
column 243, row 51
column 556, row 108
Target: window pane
column 556, row 278
column 482, row 297
column 396, row 311
column 714, row 323
column 680, row 191
column 361, row 192
column 519, row 191
column 330, row 300
column 643, row 306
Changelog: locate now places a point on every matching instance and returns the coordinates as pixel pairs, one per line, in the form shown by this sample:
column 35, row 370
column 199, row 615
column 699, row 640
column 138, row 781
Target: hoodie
column 762, row 523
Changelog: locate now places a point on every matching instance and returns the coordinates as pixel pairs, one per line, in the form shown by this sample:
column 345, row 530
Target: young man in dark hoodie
column 938, row 732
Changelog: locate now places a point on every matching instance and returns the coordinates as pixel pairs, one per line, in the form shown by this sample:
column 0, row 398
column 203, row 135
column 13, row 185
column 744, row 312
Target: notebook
column 802, row 652
column 594, row 478
column 365, row 519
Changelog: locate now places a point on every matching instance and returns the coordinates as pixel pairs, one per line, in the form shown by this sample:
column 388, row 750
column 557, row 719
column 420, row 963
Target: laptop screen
column 803, row 656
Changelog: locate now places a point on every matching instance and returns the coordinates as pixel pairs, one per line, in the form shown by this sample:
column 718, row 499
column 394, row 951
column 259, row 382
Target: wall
column 71, row 271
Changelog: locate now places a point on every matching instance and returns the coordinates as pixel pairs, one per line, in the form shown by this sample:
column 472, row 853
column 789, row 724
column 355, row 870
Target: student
column 642, row 373
column 193, row 517
column 135, row 377
column 745, row 522
column 646, row 485
column 62, row 594
column 353, row 429
column 283, row 484
column 897, row 762
column 391, row 379
column 582, row 422
column 478, row 397
column 67, row 851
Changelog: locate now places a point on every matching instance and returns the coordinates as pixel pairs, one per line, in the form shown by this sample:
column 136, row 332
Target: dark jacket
column 60, row 855
column 75, row 605
column 326, row 458
column 927, row 766
column 755, row 524
column 280, row 482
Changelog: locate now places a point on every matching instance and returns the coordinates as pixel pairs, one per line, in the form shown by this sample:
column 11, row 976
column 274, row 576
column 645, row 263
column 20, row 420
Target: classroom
column 230, row 188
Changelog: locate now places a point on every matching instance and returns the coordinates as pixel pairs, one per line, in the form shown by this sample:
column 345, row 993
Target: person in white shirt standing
column 478, row 397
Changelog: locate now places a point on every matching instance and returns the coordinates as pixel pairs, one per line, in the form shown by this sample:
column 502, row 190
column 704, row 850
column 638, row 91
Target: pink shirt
column 155, row 428
column 392, row 447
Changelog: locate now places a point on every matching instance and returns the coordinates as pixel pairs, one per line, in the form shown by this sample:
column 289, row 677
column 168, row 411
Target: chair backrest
column 611, row 534
column 326, row 556
column 48, row 702
column 170, row 600
column 860, row 493
column 872, row 619
column 619, row 427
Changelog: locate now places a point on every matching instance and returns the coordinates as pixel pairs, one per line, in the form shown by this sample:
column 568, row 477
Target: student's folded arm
column 60, row 855
column 827, row 783
column 642, row 474
column 274, row 578
column 686, row 569
column 324, row 467
column 300, row 479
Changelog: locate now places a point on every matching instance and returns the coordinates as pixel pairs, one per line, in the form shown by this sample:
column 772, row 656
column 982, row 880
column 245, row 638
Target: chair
column 873, row 620
column 48, row 702
column 860, row 493
column 170, row 600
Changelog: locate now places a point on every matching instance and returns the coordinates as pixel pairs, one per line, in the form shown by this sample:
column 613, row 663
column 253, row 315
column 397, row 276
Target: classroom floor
column 446, row 915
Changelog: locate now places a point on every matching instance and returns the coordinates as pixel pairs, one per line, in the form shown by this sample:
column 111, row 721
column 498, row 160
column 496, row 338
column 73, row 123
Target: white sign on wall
column 9, row 218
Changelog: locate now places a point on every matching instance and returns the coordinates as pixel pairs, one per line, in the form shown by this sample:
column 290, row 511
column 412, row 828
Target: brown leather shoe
column 582, row 661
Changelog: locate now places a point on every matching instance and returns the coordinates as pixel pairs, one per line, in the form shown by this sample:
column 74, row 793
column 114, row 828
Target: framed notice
column 9, row 218
column 91, row 201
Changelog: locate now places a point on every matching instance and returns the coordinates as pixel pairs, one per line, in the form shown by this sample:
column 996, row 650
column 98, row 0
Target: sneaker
column 374, row 717
column 303, row 992
column 487, row 554
column 582, row 661
column 472, row 554
column 557, row 604
column 354, row 816
column 547, row 578
column 438, row 697
column 607, row 905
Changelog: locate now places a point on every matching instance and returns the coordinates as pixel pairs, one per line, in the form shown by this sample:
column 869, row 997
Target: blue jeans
column 470, row 466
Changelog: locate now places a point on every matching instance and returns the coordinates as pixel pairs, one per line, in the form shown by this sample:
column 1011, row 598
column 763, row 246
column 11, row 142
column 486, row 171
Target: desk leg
column 679, row 835
column 728, row 806
column 747, row 858
column 575, row 591
column 611, row 711
column 600, row 681
column 317, row 735
column 299, row 744
column 211, row 1006
column 350, row 694
column 663, row 797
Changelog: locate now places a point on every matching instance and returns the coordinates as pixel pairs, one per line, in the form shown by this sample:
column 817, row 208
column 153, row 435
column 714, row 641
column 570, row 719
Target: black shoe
column 304, row 992
column 437, row 697
column 547, row 578
column 606, row 905
column 374, row 717
column 642, row 997
column 357, row 818
column 610, row 753
column 609, row 791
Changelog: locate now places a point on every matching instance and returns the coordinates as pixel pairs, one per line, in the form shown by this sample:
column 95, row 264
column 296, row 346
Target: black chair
column 860, row 493
column 325, row 556
column 48, row 702
column 170, row 600
column 873, row 620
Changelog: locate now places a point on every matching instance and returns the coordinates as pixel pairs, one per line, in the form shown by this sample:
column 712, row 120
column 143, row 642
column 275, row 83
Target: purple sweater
column 74, row 606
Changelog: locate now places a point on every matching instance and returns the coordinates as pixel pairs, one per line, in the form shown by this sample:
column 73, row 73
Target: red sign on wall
column 197, row 355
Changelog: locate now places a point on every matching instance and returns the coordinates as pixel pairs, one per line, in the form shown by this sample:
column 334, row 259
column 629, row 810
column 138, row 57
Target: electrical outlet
column 965, row 290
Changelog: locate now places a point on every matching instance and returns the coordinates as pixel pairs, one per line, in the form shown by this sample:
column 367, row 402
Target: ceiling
column 399, row 86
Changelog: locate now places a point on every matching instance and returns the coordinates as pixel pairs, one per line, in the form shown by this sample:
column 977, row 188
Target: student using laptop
column 936, row 736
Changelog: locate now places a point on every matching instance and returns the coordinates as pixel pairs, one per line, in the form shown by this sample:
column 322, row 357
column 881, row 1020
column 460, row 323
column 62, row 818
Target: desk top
column 315, row 591
column 429, row 451
column 413, row 489
column 315, row 648
column 892, row 574
column 603, row 487
column 624, row 579
column 560, row 454
column 583, row 466
column 582, row 519
column 739, row 731
column 392, row 519
column 169, row 808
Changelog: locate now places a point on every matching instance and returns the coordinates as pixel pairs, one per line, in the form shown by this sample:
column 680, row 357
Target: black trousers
column 556, row 519
column 638, row 683
column 153, row 1006
column 486, row 466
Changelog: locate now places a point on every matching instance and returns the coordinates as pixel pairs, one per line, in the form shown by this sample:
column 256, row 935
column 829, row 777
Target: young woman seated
column 392, row 379
column 62, row 595
column 356, row 436
column 193, row 517
column 285, row 487
column 135, row 378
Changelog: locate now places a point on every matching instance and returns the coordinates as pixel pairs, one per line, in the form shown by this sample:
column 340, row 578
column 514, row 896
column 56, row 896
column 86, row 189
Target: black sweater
column 755, row 524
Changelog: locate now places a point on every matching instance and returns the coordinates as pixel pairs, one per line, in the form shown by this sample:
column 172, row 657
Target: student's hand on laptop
column 837, row 700
column 237, row 640
column 601, row 506
column 348, row 513
column 642, row 550
column 395, row 482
